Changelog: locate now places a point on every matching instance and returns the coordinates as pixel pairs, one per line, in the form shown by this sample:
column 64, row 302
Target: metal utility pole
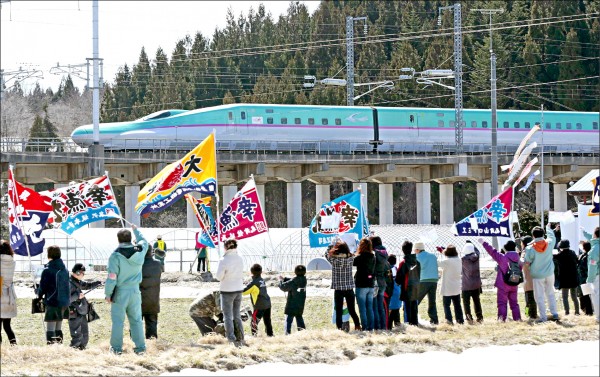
column 458, row 95
column 96, row 151
column 494, row 109
column 350, row 57
column 542, row 170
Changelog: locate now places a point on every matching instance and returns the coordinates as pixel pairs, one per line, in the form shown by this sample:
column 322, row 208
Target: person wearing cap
column 79, row 308
column 471, row 282
column 568, row 281
column 122, row 290
column 429, row 280
column 530, row 305
column 505, row 293
column 538, row 255
column 160, row 251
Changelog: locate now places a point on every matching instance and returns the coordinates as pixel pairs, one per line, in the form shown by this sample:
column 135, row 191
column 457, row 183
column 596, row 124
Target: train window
column 311, row 121
column 283, row 120
column 324, row 121
column 452, row 123
column 527, row 125
column 297, row 121
column 440, row 123
column 243, row 115
column 412, row 118
column 558, row 126
column 579, row 126
column 338, row 121
column 595, row 125
column 505, row 124
column 473, row 124
column 269, row 120
column 517, row 125
column 569, row 126
column 230, row 115
column 484, row 124
column 548, row 125
column 269, row 111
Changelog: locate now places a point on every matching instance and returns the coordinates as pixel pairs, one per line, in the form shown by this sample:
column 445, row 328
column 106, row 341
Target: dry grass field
column 181, row 346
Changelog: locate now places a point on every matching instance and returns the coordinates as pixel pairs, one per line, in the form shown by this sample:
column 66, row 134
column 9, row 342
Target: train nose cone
column 82, row 135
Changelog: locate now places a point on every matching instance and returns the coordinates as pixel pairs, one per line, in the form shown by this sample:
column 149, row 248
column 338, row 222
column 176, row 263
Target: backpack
column 514, row 275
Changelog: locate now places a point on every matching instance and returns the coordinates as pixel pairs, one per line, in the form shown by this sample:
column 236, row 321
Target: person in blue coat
column 54, row 288
column 122, row 290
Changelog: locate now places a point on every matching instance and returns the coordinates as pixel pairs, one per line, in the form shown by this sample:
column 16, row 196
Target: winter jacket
column 409, row 290
column 429, row 267
column 257, row 289
column 207, row 306
column 582, row 267
column 451, row 276
column 296, row 298
column 527, row 279
column 566, row 261
column 125, row 265
column 539, row 255
column 341, row 271
column 150, row 286
column 593, row 257
column 54, row 284
column 395, row 302
column 365, row 270
column 8, row 299
column 382, row 266
column 471, row 275
column 79, row 306
column 231, row 272
column 502, row 260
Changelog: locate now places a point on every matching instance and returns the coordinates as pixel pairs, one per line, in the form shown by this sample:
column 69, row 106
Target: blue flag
column 493, row 219
column 342, row 215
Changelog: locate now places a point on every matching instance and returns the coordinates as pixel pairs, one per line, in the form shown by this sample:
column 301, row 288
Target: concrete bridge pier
column 560, row 197
column 538, row 197
column 131, row 197
column 423, row 203
column 294, row 204
column 363, row 194
column 322, row 195
column 484, row 193
column 229, row 192
column 386, row 204
column 446, row 203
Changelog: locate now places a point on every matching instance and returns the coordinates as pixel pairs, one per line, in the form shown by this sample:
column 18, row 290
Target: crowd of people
column 380, row 282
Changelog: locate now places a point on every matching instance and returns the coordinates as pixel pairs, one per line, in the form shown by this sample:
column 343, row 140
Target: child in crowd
column 451, row 281
column 294, row 306
column 392, row 294
column 79, row 308
column 506, row 293
column 261, row 302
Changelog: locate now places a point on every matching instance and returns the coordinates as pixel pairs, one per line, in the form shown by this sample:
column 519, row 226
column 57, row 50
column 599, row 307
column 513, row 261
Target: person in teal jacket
column 538, row 255
column 122, row 290
column 593, row 275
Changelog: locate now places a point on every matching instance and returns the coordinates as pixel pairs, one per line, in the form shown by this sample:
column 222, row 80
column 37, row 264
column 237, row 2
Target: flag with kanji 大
column 243, row 217
column 208, row 235
column 595, row 210
column 196, row 171
column 342, row 215
column 28, row 213
column 492, row 220
column 79, row 204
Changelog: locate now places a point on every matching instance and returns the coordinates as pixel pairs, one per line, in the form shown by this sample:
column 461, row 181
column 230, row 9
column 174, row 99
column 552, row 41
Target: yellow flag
column 196, row 171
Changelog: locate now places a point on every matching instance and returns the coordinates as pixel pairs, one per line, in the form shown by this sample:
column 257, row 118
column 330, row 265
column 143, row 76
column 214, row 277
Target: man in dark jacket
column 408, row 278
column 150, row 290
column 568, row 281
column 79, row 307
column 294, row 306
column 261, row 302
column 585, row 301
column 382, row 268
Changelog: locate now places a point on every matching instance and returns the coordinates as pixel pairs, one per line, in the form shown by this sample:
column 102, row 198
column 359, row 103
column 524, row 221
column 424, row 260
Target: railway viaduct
column 133, row 169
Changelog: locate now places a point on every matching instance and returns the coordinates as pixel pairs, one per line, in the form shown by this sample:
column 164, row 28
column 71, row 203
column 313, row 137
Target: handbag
column 37, row 306
column 92, row 315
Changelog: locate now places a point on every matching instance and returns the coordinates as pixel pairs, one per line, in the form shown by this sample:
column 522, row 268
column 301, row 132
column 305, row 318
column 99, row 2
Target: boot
column 58, row 336
column 50, row 337
column 13, row 342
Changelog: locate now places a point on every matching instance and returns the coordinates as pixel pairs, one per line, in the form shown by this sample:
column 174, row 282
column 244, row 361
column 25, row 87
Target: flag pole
column 267, row 225
column 218, row 219
column 113, row 191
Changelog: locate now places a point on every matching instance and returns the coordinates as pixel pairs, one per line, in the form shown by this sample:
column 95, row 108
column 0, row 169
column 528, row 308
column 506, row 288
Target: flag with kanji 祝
column 243, row 217
column 492, row 220
column 208, row 235
column 79, row 204
column 595, row 210
column 196, row 171
column 342, row 215
column 28, row 213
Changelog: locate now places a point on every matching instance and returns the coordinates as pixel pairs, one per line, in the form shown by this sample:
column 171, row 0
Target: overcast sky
column 36, row 35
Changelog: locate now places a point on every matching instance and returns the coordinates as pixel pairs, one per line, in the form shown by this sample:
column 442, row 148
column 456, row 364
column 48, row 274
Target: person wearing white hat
column 471, row 282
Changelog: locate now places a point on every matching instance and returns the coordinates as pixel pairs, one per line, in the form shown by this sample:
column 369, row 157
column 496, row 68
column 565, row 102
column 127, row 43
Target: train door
column 243, row 122
column 413, row 125
column 231, row 123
